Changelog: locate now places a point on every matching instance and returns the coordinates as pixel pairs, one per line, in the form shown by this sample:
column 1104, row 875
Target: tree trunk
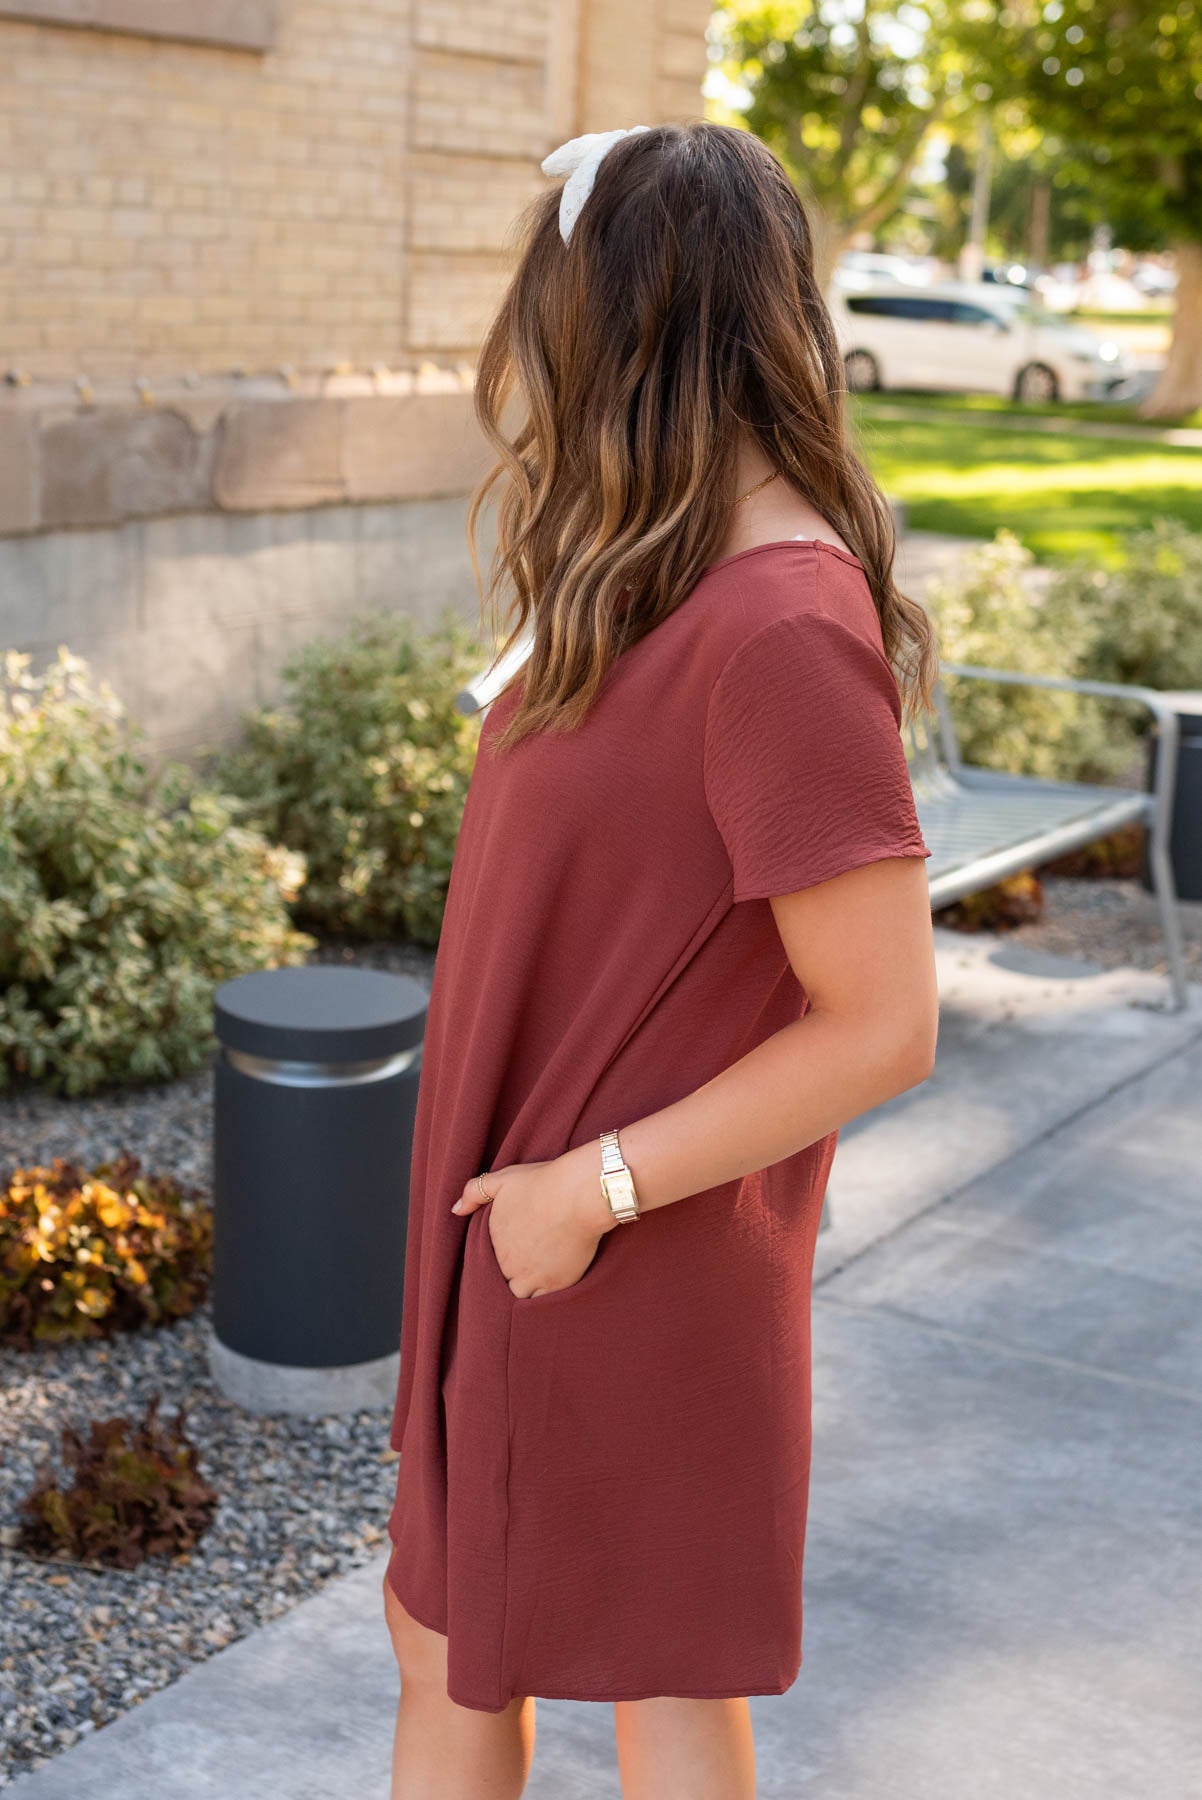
column 1179, row 389
column 1039, row 225
column 972, row 253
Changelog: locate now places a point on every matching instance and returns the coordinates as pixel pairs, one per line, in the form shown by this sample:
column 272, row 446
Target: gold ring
column 484, row 1190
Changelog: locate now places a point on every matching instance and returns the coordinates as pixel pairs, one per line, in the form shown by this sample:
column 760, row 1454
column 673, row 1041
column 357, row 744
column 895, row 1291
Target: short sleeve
column 805, row 771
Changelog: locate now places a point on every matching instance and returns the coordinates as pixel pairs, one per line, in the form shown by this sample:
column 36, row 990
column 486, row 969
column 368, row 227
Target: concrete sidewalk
column 1004, row 1564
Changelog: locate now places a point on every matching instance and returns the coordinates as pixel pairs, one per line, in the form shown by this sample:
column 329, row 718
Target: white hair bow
column 579, row 159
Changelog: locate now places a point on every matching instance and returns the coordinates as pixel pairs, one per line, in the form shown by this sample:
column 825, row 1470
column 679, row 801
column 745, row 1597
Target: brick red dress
column 601, row 1491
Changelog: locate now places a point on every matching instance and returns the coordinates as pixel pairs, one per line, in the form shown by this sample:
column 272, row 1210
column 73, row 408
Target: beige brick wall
column 341, row 198
column 641, row 61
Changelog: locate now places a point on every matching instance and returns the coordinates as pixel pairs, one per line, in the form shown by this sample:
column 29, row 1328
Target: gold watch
column 617, row 1183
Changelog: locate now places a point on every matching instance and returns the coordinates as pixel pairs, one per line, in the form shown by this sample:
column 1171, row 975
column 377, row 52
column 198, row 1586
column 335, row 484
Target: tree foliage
column 1120, row 82
column 845, row 95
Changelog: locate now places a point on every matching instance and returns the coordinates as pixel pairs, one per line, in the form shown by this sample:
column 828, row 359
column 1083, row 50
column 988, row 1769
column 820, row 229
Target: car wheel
column 863, row 374
column 1036, row 383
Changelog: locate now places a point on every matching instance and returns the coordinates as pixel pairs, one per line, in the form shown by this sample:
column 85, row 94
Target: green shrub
column 1144, row 615
column 125, row 897
column 364, row 770
column 84, row 1254
column 129, row 1490
column 994, row 608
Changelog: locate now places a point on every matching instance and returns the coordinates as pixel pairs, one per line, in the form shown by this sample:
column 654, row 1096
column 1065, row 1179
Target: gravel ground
column 1113, row 923
column 301, row 1499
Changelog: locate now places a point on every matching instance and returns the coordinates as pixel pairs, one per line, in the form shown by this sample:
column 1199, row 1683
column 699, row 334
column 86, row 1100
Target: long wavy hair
column 683, row 312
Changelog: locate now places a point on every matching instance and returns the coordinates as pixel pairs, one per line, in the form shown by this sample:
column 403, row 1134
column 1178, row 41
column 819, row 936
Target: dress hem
column 604, row 1699
column 395, row 1586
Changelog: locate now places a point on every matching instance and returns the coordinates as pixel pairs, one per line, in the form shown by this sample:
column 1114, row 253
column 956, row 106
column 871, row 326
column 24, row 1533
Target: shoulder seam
column 795, row 618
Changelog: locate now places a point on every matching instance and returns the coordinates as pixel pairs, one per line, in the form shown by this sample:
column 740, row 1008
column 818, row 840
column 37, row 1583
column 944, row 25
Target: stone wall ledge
column 232, row 24
column 65, row 466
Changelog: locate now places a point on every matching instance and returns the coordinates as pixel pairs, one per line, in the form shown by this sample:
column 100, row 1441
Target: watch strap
column 620, row 1195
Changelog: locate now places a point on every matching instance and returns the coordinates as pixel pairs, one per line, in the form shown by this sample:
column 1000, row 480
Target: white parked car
column 971, row 338
column 867, row 268
column 1154, row 280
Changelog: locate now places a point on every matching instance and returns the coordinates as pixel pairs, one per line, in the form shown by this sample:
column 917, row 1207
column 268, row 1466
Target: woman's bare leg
column 685, row 1749
column 443, row 1751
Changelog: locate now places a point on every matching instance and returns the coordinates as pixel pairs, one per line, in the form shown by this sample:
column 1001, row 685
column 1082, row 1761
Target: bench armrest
column 1155, row 702
column 483, row 689
column 1167, row 723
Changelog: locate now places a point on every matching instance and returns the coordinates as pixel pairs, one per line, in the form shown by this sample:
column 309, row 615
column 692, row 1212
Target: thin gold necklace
column 757, row 487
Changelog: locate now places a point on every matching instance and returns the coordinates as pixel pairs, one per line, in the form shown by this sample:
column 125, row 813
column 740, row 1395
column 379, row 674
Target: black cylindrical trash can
column 1185, row 842
column 316, row 1090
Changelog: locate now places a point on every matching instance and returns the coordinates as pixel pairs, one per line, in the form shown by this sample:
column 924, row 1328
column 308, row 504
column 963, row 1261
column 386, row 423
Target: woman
column 687, row 938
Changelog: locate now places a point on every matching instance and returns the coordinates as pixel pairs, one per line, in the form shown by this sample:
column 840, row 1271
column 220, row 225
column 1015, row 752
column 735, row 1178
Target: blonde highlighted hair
column 683, row 312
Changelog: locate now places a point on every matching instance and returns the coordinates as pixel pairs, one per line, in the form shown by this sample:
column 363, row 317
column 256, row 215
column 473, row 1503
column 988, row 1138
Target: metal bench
column 982, row 825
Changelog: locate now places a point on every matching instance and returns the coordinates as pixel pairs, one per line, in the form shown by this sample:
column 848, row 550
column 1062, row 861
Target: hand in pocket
column 544, row 1223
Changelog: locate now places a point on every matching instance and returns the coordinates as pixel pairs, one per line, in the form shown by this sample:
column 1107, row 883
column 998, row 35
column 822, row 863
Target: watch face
column 619, row 1189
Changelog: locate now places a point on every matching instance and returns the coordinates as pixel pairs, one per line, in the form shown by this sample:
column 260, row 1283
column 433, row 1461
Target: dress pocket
column 527, row 1302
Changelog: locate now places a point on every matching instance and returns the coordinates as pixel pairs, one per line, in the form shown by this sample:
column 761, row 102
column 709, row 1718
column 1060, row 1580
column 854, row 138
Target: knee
column 421, row 1654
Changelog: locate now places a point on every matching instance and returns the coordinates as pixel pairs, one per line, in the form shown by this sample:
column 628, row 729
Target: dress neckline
column 786, row 544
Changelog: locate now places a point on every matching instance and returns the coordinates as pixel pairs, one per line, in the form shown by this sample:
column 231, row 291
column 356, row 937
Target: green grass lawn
column 1063, row 493
column 1151, row 315
column 1099, row 412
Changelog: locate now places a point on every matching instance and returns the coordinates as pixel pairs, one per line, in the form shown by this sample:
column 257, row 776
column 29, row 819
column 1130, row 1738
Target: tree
column 845, row 93
column 1045, row 208
column 1120, row 82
